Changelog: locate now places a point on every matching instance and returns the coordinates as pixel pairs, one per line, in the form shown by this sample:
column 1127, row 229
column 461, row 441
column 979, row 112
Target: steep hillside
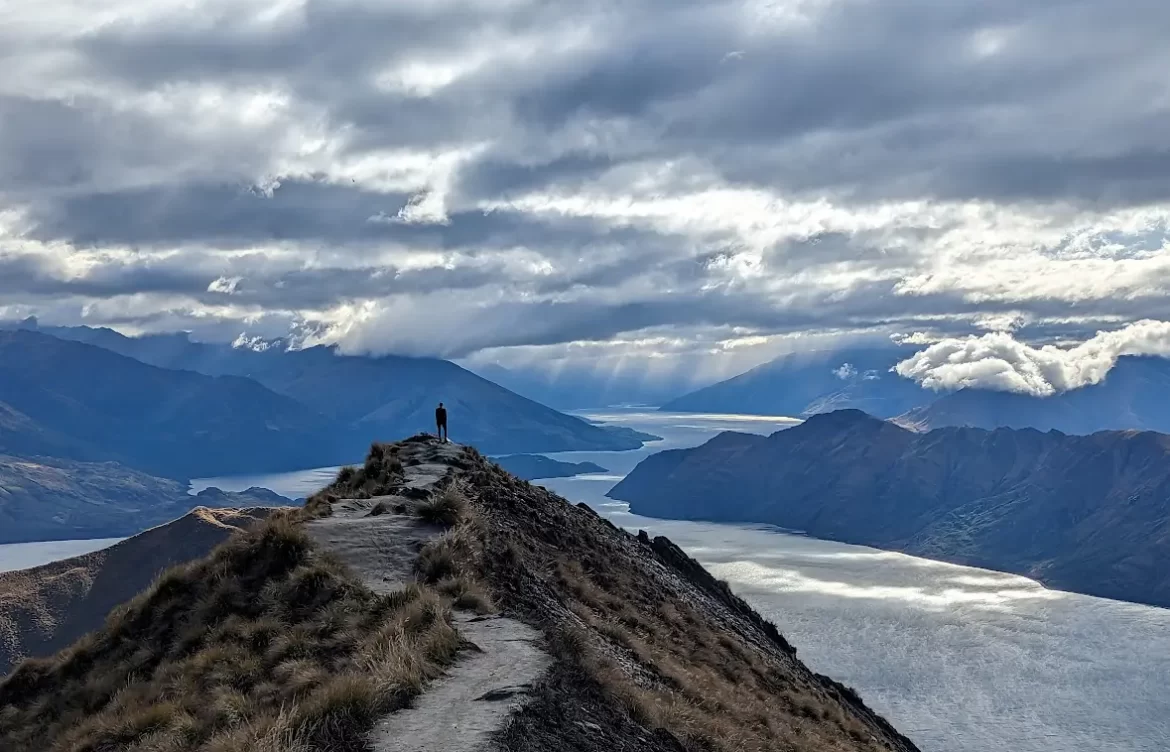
column 178, row 424
column 20, row 434
column 1133, row 396
column 47, row 608
column 458, row 609
column 813, row 382
column 378, row 397
column 52, row 499
column 261, row 646
column 1083, row 513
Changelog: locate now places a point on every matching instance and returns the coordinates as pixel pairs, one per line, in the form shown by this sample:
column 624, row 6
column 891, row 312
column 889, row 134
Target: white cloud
column 845, row 372
column 696, row 181
column 999, row 362
column 224, row 285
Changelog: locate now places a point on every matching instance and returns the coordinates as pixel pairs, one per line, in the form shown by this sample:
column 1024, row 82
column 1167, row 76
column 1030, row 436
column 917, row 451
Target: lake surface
column 25, row 555
column 959, row 659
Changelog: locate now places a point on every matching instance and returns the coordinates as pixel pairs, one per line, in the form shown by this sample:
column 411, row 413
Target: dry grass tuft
column 438, row 560
column 445, row 508
column 261, row 646
column 467, row 594
column 379, row 475
column 318, row 505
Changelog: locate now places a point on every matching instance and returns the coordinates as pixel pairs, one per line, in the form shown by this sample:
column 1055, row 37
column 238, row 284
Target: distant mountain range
column 98, row 431
column 814, row 382
column 311, row 407
column 1083, row 513
column 1132, row 396
column 77, row 401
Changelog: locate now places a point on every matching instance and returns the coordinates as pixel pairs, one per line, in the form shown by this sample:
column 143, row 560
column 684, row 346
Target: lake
column 959, row 659
column 26, row 555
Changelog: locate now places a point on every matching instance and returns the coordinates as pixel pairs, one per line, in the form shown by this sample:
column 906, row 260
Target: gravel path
column 461, row 710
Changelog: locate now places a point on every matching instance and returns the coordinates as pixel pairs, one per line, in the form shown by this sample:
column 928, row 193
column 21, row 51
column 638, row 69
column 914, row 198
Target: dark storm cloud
column 313, row 212
column 860, row 103
column 896, row 94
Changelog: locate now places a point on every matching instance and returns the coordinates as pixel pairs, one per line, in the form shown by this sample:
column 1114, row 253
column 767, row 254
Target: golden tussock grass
column 264, row 645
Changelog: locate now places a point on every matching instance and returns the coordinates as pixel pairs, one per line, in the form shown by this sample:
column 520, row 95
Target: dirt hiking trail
column 379, row 539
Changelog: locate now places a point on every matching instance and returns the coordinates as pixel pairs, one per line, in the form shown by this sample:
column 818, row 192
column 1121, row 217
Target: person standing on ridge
column 441, row 421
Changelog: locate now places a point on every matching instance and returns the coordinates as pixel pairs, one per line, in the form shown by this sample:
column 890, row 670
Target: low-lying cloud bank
column 999, row 362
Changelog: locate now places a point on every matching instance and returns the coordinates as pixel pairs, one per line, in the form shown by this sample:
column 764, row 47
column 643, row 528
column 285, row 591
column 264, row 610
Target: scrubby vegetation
column 381, row 474
column 642, row 634
column 263, row 645
column 269, row 646
column 446, row 507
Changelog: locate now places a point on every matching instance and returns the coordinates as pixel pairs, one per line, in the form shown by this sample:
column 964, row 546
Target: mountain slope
column 47, row 608
column 20, row 434
column 362, row 623
column 383, row 396
column 1083, row 513
column 813, row 382
column 646, row 650
column 1132, row 396
column 167, row 422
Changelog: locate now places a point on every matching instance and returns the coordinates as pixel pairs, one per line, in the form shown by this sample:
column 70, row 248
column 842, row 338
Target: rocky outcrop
column 1083, row 513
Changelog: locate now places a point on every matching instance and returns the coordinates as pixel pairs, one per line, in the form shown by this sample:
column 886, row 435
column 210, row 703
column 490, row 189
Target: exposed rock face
column 47, row 608
column 1083, row 513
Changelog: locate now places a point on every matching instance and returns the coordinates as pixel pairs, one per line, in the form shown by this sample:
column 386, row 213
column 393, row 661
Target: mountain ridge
column 376, row 396
column 46, row 608
column 168, row 422
column 429, row 595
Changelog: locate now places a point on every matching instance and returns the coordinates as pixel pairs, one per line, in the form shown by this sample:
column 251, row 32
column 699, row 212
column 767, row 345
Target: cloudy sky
column 679, row 184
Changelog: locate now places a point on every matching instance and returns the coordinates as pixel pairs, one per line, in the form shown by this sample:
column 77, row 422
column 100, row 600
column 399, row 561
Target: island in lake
column 533, row 466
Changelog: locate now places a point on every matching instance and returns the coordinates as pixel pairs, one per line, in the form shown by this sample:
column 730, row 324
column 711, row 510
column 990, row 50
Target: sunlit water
column 959, row 659
column 26, row 555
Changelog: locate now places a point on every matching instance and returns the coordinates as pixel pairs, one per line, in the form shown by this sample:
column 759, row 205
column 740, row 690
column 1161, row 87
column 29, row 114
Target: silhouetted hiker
column 441, row 421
